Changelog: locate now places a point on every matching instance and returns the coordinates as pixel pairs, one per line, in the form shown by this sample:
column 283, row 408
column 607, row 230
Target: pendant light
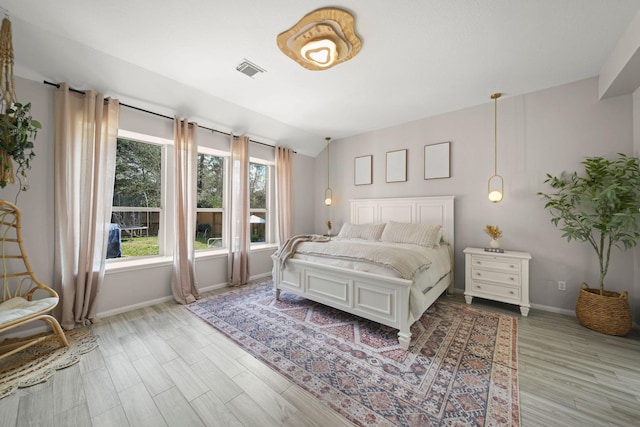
column 328, row 194
column 495, row 187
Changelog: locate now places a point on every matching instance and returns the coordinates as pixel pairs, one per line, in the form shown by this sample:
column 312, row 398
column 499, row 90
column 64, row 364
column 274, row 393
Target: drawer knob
column 512, row 266
column 477, row 286
column 478, row 274
column 512, row 278
column 478, row 262
column 511, row 292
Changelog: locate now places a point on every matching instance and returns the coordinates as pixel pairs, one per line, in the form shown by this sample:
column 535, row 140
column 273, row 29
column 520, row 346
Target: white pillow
column 419, row 234
column 361, row 231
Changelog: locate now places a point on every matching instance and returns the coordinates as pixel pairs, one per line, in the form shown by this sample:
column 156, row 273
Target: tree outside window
column 209, row 223
column 258, row 201
column 137, row 196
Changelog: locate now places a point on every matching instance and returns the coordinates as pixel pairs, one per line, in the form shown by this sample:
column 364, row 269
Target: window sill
column 212, row 253
column 259, row 247
column 121, row 265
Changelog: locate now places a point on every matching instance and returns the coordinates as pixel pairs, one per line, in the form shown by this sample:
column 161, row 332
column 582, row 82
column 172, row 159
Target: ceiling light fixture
column 328, row 194
column 321, row 39
column 495, row 187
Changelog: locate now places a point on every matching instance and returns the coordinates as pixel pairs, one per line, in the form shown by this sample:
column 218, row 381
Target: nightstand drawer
column 489, row 290
column 495, row 276
column 496, row 263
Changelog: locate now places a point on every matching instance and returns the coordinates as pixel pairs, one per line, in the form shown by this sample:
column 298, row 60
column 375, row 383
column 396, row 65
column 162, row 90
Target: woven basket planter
column 608, row 313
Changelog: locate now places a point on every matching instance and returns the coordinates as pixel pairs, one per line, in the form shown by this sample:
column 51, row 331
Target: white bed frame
column 378, row 298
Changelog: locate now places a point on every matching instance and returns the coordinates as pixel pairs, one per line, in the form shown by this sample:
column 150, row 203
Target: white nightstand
column 497, row 276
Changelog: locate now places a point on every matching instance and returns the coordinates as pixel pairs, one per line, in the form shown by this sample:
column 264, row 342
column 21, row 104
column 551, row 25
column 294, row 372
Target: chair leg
column 9, row 349
column 56, row 330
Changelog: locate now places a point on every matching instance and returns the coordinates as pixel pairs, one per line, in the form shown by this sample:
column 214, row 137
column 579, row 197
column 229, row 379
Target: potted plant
column 601, row 208
column 17, row 133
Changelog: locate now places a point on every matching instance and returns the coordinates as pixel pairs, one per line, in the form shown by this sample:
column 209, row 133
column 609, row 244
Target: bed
column 386, row 297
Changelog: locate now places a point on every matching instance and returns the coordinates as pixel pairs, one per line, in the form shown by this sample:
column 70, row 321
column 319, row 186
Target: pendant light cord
column 495, row 97
column 328, row 159
column 495, row 136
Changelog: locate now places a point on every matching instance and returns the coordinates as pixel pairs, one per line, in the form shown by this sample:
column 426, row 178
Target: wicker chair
column 18, row 306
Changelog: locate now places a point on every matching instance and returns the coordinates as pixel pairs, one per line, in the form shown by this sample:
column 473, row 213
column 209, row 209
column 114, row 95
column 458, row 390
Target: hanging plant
column 17, row 133
column 17, row 128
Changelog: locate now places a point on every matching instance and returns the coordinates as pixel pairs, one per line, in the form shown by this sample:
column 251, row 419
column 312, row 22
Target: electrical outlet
column 562, row 285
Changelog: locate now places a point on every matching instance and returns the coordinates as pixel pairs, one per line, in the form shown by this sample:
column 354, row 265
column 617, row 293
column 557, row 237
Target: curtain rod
column 158, row 114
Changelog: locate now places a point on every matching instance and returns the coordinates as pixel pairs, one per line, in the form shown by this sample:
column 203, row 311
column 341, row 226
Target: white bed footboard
column 375, row 297
column 378, row 298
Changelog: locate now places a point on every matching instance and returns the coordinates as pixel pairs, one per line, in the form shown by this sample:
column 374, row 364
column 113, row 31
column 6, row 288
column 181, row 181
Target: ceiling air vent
column 250, row 69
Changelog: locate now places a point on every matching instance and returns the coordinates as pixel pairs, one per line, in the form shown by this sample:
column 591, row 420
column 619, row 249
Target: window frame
column 163, row 249
column 269, row 203
column 225, row 199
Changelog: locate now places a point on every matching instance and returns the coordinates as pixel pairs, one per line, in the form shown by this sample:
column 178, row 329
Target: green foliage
column 257, row 186
column 138, row 174
column 602, row 207
column 210, row 181
column 18, row 130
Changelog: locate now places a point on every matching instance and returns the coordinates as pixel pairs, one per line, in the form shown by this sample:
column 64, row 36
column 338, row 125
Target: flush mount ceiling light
column 321, row 39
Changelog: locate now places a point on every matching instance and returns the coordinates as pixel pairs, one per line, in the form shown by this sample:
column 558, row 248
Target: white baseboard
column 143, row 304
column 554, row 309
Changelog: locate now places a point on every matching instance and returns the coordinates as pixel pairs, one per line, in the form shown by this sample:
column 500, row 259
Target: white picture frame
column 396, row 169
column 437, row 160
column 363, row 170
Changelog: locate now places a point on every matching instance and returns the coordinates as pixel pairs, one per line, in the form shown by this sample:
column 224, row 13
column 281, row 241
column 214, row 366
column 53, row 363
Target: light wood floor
column 161, row 366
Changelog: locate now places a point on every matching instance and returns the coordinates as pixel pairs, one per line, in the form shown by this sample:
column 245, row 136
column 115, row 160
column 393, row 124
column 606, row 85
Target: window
column 210, row 205
column 137, row 200
column 258, row 201
column 142, row 213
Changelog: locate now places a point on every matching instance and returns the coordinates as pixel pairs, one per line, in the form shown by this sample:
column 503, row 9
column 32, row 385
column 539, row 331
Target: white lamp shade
column 495, row 196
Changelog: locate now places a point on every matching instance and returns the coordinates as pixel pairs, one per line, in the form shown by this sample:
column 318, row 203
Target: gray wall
column 546, row 131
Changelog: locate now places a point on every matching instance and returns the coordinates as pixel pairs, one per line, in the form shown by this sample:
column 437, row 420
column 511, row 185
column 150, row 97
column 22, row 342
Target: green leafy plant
column 602, row 207
column 17, row 133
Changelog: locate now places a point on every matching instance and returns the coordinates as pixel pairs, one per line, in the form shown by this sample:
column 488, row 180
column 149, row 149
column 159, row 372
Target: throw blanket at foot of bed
column 289, row 248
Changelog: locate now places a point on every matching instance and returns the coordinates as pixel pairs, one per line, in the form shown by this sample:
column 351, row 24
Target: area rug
column 38, row 363
column 460, row 369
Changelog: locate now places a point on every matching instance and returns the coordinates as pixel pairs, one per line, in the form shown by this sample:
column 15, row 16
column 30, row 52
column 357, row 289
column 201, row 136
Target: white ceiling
column 419, row 58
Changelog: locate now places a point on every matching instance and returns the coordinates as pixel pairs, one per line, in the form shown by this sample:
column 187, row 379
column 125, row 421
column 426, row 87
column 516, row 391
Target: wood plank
column 213, row 411
column 68, row 390
column 122, row 372
column 153, row 375
column 139, row 407
column 114, row 417
column 100, row 392
column 176, row 410
column 216, row 380
column 187, row 380
column 268, row 399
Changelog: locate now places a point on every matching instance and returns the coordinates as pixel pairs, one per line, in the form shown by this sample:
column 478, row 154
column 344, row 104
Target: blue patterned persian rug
column 460, row 370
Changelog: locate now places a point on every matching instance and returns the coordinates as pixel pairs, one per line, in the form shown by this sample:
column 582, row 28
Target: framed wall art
column 396, row 166
column 437, row 162
column 362, row 170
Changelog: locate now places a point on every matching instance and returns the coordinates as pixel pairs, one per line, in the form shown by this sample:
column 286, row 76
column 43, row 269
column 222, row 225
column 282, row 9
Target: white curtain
column 284, row 193
column 183, row 282
column 240, row 238
column 86, row 132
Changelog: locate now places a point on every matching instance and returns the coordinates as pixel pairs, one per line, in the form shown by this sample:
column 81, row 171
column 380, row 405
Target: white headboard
column 415, row 210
